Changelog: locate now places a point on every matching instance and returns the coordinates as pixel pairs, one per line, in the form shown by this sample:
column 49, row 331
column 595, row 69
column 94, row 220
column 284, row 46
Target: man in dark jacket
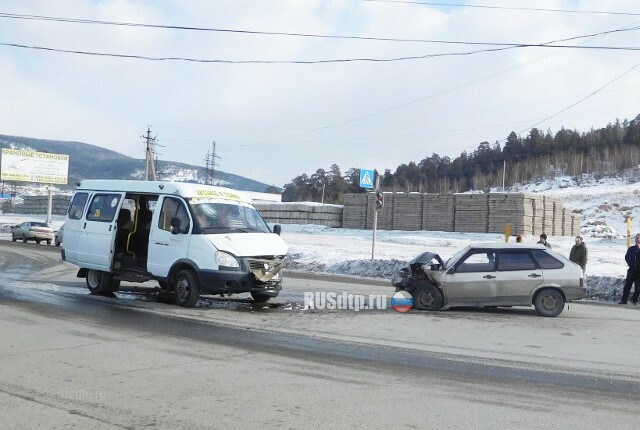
column 578, row 253
column 543, row 241
column 632, row 257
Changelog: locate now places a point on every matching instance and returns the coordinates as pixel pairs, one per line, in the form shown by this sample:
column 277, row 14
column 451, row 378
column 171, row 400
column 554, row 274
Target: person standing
column 578, row 253
column 632, row 257
column 543, row 241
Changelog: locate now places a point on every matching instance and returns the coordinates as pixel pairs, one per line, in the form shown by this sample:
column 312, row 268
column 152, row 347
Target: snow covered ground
column 603, row 203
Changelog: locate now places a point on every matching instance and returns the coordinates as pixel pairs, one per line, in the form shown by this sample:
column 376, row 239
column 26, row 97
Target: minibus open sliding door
column 99, row 230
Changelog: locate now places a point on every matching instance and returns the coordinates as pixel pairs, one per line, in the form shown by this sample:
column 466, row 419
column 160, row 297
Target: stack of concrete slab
column 567, row 229
column 558, row 217
column 438, row 212
column 547, row 218
column 407, row 211
column 355, row 211
column 514, row 209
column 385, row 215
column 537, row 202
column 301, row 213
column 38, row 205
column 576, row 220
column 472, row 213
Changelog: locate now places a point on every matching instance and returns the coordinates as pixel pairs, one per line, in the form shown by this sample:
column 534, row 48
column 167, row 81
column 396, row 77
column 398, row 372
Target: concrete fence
column 477, row 213
column 301, row 213
column 37, row 205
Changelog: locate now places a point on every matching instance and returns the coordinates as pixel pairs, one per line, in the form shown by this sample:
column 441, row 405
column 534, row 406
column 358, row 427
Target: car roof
column 505, row 245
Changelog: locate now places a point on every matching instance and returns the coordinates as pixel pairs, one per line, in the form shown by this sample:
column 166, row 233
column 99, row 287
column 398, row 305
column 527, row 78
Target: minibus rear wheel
column 99, row 282
column 186, row 289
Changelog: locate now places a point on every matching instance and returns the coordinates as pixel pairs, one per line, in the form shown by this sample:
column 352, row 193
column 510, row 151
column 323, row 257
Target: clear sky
column 273, row 122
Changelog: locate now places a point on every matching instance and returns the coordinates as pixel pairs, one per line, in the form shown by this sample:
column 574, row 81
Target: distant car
column 33, row 230
column 493, row 275
column 59, row 236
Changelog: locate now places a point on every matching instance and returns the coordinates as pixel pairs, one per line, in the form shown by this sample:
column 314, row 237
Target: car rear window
column 547, row 261
column 510, row 261
column 39, row 224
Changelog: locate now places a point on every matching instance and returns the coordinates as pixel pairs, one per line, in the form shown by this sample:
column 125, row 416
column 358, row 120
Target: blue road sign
column 366, row 178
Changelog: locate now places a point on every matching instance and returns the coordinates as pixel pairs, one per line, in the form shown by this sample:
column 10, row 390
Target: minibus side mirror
column 277, row 229
column 175, row 225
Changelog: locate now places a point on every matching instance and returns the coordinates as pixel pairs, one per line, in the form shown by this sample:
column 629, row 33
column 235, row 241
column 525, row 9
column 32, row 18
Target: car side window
column 510, row 261
column 171, row 208
column 103, row 207
column 546, row 260
column 480, row 261
column 76, row 208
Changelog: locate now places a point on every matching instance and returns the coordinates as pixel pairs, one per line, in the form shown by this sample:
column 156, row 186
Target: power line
column 582, row 99
column 439, row 93
column 524, row 9
column 328, row 61
column 276, row 33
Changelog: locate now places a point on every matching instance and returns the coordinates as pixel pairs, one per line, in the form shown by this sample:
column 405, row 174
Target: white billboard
column 32, row 166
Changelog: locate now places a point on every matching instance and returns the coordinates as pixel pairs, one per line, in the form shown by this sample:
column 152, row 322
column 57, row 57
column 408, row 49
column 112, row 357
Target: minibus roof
column 163, row 187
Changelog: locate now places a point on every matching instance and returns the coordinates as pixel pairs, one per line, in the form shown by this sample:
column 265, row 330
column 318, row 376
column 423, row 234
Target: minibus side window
column 173, row 208
column 103, row 207
column 76, row 208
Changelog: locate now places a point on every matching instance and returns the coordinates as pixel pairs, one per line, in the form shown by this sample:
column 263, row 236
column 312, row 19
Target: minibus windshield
column 215, row 216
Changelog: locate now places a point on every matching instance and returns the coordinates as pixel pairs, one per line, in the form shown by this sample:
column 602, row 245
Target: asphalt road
column 69, row 359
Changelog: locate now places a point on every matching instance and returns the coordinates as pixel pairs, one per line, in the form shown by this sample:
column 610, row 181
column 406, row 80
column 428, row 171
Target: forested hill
column 606, row 151
column 93, row 162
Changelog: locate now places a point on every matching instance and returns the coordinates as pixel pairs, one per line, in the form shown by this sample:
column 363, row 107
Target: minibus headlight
column 226, row 259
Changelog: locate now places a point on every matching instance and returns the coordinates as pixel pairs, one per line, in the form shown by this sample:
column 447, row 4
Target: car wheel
column 38, row 242
column 427, row 297
column 261, row 298
column 186, row 289
column 549, row 302
column 99, row 282
column 24, row 239
column 48, row 242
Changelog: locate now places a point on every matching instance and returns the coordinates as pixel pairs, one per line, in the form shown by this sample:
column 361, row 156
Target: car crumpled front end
column 421, row 267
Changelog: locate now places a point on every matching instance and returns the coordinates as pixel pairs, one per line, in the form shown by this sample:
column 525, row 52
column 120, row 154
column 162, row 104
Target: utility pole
column 504, row 172
column 149, row 163
column 210, row 165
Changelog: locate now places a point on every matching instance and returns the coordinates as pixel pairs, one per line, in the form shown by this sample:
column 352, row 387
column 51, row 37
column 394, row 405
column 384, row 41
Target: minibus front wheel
column 186, row 288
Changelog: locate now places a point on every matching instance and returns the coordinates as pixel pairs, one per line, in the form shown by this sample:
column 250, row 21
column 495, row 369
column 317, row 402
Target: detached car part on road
column 33, row 230
column 493, row 275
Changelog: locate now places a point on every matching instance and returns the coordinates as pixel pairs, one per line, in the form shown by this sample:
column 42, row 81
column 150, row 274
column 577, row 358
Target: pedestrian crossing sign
column 366, row 178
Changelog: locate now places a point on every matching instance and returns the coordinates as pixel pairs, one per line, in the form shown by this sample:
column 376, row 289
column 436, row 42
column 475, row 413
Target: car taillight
column 581, row 282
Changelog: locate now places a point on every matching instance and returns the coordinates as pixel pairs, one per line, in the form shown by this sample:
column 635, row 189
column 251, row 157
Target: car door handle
column 535, row 275
column 161, row 243
column 488, row 277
